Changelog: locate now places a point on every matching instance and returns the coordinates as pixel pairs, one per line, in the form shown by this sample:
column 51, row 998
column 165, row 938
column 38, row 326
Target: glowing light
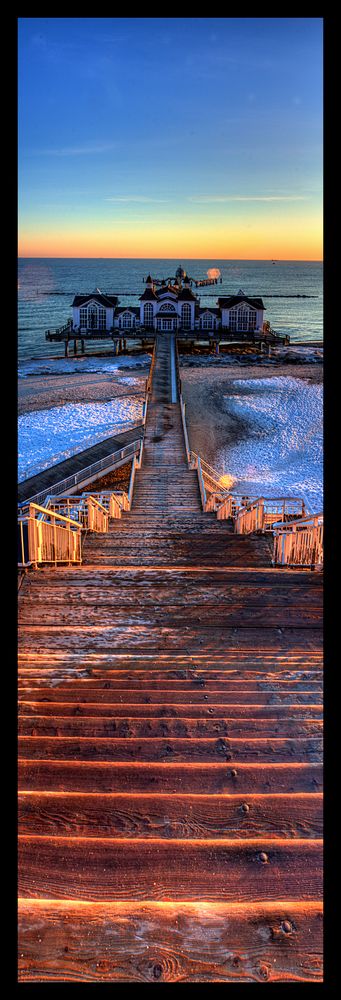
column 226, row 481
column 213, row 272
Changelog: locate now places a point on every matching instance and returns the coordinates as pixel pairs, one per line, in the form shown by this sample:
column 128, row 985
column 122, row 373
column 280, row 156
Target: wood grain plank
column 170, row 816
column 154, row 711
column 231, row 659
column 43, row 640
column 223, row 615
column 90, row 776
column 100, row 726
column 112, row 869
column 195, row 593
column 168, row 942
column 175, row 749
column 229, row 679
column 66, row 576
column 31, row 678
column 192, row 695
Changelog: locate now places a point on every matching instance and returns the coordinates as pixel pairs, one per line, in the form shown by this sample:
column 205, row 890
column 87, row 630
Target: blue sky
column 130, row 125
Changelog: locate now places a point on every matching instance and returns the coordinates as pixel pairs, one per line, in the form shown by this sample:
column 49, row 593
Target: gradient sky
column 170, row 137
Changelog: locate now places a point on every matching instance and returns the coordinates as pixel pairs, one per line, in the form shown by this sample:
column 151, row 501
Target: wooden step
column 42, row 640
column 191, row 695
column 189, row 817
column 244, row 750
column 175, row 615
column 135, row 673
column 99, row 869
column 104, row 725
column 181, row 681
column 174, row 778
column 170, row 942
column 31, row 705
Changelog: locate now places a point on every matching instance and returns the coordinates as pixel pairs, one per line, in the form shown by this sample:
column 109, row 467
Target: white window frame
column 167, row 307
column 186, row 316
column 148, row 314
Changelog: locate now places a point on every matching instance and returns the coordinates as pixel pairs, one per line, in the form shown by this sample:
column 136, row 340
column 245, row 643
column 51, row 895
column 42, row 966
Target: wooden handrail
column 302, row 547
column 185, row 432
column 292, row 525
column 48, row 541
column 150, row 375
column 52, row 513
column 97, row 502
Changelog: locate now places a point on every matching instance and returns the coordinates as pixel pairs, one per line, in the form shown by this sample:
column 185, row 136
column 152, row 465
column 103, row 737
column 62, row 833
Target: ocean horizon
column 292, row 292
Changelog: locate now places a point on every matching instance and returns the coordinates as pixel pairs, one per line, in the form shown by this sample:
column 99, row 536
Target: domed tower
column 180, row 274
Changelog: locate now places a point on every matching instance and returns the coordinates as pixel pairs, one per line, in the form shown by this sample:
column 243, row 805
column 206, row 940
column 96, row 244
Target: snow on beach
column 262, row 429
column 280, row 355
column 46, row 437
column 81, row 366
column 281, row 454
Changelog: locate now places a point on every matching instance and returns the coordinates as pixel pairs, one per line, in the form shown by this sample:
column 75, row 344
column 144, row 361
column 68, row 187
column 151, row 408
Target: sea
column 292, row 292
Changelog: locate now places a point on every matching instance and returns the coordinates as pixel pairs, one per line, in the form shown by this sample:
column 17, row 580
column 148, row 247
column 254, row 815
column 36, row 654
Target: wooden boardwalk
column 47, row 479
column 170, row 802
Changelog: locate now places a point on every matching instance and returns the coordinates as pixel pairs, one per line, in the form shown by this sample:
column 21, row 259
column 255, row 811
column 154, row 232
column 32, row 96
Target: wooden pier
column 170, row 778
column 213, row 339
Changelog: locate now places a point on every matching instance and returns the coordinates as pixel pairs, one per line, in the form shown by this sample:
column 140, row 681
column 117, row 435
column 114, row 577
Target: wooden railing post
column 260, row 514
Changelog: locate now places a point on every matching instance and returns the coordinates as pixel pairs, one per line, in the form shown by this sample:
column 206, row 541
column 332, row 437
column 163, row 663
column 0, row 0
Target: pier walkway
column 170, row 804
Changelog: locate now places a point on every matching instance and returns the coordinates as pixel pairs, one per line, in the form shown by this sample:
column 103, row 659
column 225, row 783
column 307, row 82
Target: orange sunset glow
column 282, row 240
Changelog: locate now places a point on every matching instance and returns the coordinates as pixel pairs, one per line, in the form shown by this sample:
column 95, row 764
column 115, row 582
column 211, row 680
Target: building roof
column 173, row 289
column 233, row 300
column 130, row 309
column 210, row 309
column 186, row 294
column 103, row 300
column 148, row 295
column 149, row 280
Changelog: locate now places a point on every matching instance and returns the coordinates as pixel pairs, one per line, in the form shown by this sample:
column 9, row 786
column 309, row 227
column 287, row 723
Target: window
column 83, row 317
column 127, row 321
column 167, row 307
column 148, row 314
column 243, row 318
column 186, row 316
column 207, row 321
column 102, row 319
column 93, row 317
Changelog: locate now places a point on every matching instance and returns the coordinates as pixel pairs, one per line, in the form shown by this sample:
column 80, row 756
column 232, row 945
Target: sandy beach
column 202, row 389
column 208, row 425
column 42, row 392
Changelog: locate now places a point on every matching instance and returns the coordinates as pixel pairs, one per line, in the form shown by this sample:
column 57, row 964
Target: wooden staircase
column 170, row 696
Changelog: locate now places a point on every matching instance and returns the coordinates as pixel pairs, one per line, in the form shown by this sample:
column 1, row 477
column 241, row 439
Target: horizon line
column 282, row 260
